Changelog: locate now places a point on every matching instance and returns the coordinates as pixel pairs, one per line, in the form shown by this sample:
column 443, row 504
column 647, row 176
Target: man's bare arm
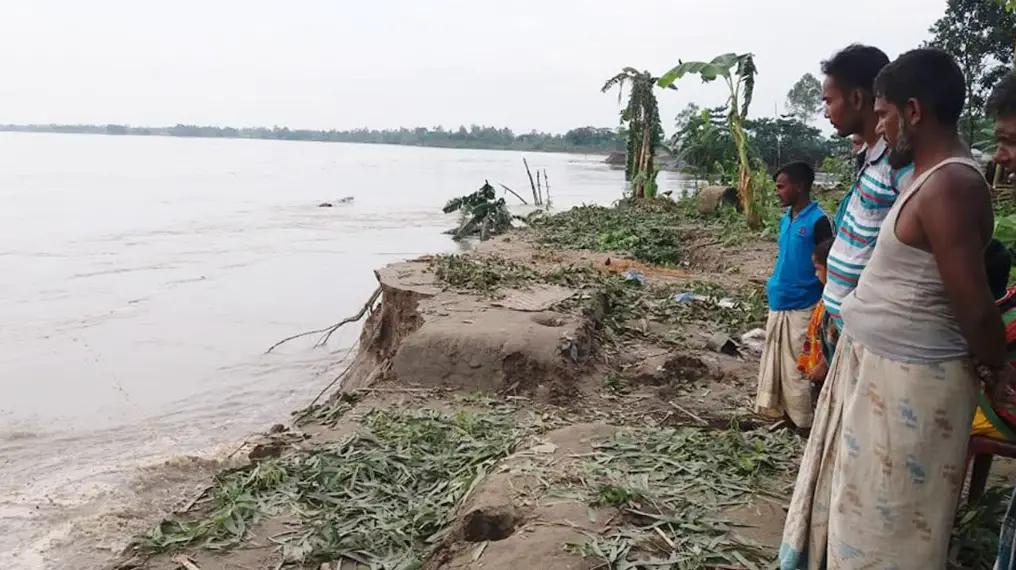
column 954, row 211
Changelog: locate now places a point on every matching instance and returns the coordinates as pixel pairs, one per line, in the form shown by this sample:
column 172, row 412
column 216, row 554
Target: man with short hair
column 858, row 151
column 1002, row 107
column 793, row 290
column 846, row 90
column 879, row 481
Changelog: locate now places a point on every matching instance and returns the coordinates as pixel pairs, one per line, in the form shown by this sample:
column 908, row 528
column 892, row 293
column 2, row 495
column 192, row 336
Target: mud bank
column 523, row 406
column 583, row 415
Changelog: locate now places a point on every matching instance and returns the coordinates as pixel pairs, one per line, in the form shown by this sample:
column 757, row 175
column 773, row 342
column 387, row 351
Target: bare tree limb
column 546, row 184
column 328, row 331
column 536, row 197
column 363, row 310
column 688, row 413
column 513, row 193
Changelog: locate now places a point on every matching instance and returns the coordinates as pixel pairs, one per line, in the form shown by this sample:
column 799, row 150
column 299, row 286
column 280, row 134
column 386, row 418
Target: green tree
column 981, row 35
column 594, row 138
column 738, row 71
column 641, row 118
column 781, row 140
column 1010, row 7
column 703, row 144
column 705, row 147
column 804, row 100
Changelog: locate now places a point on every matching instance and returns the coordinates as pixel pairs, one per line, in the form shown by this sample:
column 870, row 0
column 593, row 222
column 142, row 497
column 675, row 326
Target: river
column 142, row 279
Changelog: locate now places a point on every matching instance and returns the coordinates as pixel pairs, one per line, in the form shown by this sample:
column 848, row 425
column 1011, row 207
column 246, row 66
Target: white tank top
column 900, row 308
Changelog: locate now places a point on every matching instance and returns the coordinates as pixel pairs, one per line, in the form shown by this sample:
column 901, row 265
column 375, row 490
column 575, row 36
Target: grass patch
column 485, row 275
column 670, row 485
column 329, row 413
column 631, row 302
column 378, row 498
column 974, row 541
column 645, row 230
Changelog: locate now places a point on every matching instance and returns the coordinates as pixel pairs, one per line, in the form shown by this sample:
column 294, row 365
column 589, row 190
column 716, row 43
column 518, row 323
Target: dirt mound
column 425, row 336
column 398, row 316
column 512, row 504
column 678, row 368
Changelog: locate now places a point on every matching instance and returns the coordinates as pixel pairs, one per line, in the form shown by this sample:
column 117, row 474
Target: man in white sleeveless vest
column 892, row 452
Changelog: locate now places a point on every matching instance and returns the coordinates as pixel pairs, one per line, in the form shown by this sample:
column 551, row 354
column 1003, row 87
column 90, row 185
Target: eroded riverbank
column 549, row 400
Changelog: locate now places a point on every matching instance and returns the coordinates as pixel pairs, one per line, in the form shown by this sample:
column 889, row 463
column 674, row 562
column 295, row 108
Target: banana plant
column 641, row 118
column 738, row 72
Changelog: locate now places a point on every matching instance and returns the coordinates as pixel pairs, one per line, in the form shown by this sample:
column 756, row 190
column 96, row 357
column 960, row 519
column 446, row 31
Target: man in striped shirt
column 849, row 106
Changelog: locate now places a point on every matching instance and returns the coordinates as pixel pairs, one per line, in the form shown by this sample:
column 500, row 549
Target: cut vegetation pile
column 643, row 230
column 376, row 497
column 670, row 486
column 391, row 495
column 490, row 274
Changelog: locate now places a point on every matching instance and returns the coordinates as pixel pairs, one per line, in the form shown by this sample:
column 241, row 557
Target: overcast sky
column 526, row 64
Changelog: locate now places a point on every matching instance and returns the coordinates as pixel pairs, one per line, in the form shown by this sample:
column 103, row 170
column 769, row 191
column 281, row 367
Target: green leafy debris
column 379, row 497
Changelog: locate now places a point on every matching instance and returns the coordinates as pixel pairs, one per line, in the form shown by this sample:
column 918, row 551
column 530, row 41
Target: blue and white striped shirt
column 858, row 221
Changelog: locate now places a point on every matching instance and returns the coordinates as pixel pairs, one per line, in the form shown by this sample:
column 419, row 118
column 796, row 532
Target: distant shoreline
column 532, row 142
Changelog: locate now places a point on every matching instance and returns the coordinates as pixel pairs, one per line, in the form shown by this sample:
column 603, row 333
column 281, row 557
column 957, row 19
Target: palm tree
column 641, row 118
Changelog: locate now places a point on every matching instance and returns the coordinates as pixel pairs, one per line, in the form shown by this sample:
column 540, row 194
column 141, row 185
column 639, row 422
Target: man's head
column 820, row 258
column 1002, row 106
column 793, row 183
column 846, row 89
column 998, row 262
column 918, row 98
column 856, row 143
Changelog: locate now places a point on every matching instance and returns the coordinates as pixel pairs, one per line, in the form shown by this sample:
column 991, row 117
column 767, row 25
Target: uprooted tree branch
column 327, row 332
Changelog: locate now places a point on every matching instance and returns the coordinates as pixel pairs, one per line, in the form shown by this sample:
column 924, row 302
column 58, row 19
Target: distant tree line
column 583, row 139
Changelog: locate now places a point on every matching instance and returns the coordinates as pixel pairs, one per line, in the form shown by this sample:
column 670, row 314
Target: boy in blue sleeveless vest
column 793, row 290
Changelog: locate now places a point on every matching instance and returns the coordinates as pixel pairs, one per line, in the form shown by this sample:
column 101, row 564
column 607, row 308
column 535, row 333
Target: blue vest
column 793, row 284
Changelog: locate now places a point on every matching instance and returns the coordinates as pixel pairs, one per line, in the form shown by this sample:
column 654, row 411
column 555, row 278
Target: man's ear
column 912, row 112
column 857, row 99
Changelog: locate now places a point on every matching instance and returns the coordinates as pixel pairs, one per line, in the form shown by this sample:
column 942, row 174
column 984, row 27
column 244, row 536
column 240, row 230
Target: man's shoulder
column 816, row 210
column 877, row 185
column 955, row 180
column 954, row 199
column 965, row 171
column 821, row 217
column 889, row 176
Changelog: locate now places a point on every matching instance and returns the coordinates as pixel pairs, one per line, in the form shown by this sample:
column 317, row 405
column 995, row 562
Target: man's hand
column 818, row 374
column 1002, row 388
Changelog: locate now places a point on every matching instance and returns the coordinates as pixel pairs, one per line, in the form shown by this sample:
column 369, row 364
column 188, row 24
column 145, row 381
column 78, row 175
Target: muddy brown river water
column 141, row 280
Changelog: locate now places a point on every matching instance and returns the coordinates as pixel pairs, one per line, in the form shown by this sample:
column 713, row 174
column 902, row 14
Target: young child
column 989, row 420
column 813, row 361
